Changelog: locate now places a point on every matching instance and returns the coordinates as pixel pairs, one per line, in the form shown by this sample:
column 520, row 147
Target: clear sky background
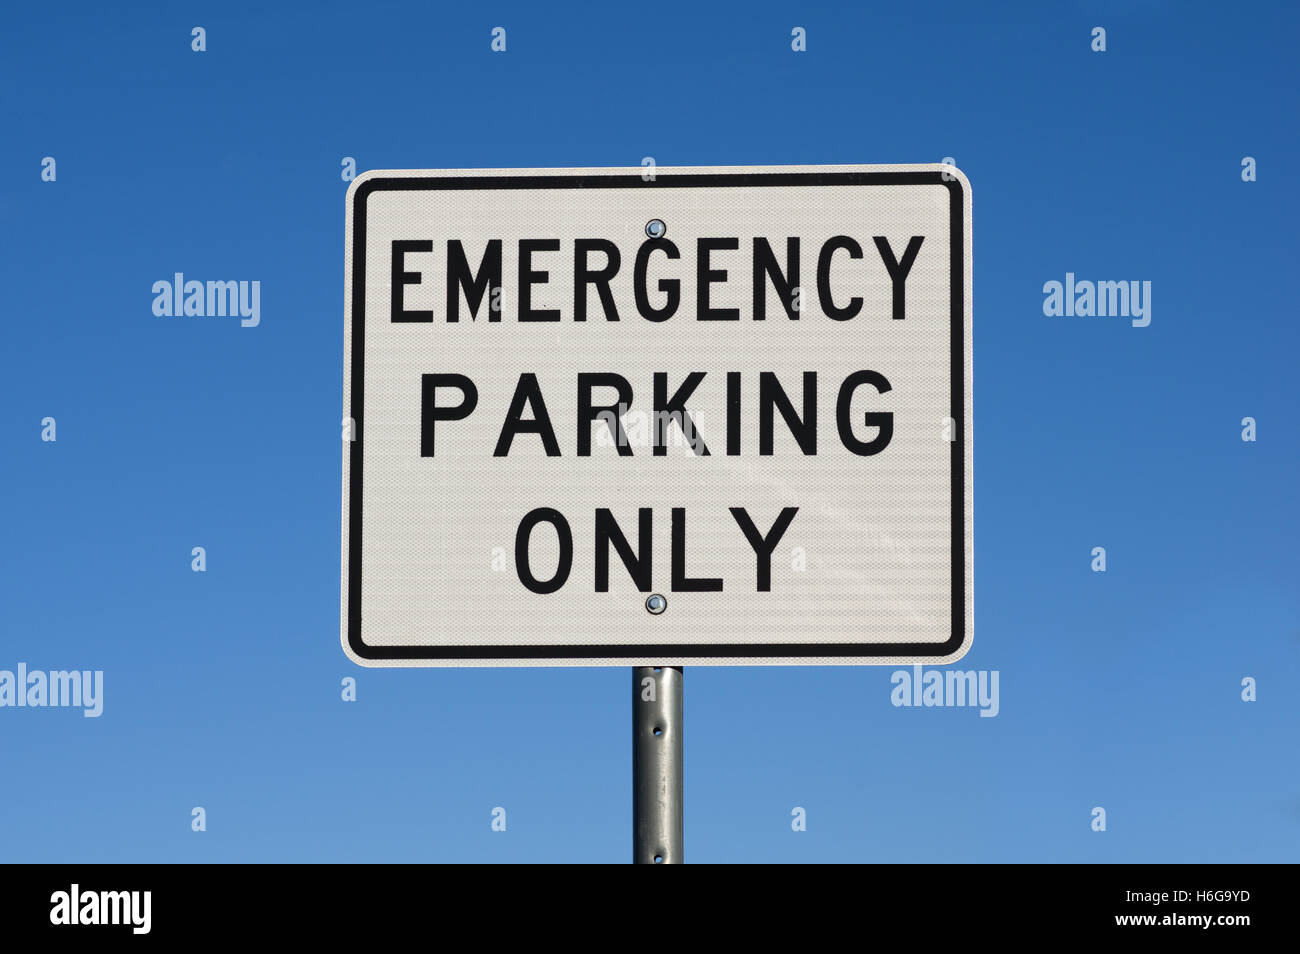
column 1119, row 689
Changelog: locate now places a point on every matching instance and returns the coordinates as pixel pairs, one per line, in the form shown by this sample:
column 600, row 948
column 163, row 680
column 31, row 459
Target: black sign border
column 665, row 180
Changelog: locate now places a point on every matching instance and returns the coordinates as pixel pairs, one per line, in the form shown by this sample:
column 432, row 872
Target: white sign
column 695, row 416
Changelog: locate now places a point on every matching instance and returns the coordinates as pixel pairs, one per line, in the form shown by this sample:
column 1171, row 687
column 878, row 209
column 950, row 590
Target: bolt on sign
column 703, row 416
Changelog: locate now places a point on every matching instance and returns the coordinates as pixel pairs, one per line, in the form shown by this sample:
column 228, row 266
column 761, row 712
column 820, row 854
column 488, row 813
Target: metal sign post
column 657, row 765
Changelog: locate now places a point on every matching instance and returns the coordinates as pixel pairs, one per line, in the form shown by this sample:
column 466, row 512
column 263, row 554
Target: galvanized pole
column 657, row 765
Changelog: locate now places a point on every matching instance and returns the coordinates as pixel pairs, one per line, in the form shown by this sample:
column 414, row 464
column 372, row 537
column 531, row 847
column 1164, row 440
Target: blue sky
column 222, row 689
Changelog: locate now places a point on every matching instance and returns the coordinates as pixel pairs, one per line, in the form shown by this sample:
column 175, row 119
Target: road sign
column 687, row 416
